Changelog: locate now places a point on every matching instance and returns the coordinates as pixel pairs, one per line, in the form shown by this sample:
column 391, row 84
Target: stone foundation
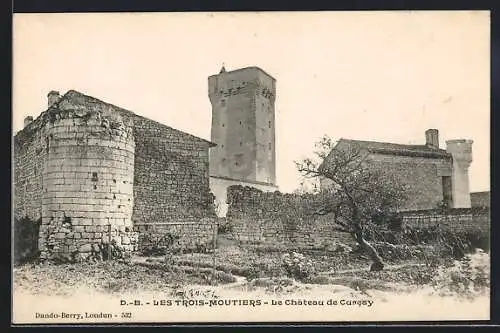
column 195, row 236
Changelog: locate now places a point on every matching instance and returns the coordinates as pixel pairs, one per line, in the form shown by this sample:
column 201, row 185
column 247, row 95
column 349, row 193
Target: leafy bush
column 224, row 277
column 390, row 251
column 156, row 244
column 26, row 240
column 338, row 247
column 467, row 278
column 298, row 266
column 225, row 227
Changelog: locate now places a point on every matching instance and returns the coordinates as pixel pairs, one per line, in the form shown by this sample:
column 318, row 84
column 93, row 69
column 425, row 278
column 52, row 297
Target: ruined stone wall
column 30, row 154
column 88, row 182
column 171, row 181
column 74, row 168
column 219, row 186
column 480, row 199
column 285, row 220
column 279, row 220
column 195, row 235
column 454, row 219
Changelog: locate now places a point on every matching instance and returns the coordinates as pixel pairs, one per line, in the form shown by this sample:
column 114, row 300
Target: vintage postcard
column 251, row 167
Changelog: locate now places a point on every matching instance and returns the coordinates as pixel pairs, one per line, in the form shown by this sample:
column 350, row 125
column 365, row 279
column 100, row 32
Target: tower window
column 222, row 146
column 241, row 143
column 269, row 145
column 223, row 102
column 240, row 122
column 238, row 159
column 269, row 124
column 223, row 125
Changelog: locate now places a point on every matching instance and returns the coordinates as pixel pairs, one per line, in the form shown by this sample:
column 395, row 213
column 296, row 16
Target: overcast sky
column 385, row 76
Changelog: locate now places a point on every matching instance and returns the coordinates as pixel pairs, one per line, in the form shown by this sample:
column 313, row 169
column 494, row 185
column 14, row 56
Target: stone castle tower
column 461, row 151
column 243, row 127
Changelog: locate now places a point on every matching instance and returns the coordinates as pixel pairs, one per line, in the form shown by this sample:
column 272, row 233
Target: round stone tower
column 87, row 184
column 461, row 151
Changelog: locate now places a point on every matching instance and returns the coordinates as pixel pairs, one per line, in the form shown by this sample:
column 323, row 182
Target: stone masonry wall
column 422, row 175
column 82, row 173
column 196, row 235
column 279, row 220
column 171, row 181
column 30, row 154
column 285, row 220
column 88, row 182
column 90, row 170
column 455, row 219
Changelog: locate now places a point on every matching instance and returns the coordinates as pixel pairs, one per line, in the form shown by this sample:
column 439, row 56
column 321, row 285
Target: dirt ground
column 370, row 296
column 402, row 291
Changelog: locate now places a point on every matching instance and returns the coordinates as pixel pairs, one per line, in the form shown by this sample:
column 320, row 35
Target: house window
column 223, row 125
column 223, row 102
column 269, row 145
column 269, row 124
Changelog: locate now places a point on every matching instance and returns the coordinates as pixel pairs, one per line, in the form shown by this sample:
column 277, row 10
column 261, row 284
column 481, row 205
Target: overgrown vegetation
column 360, row 192
column 298, row 266
column 26, row 240
column 224, row 227
column 157, row 244
column 467, row 278
column 432, row 241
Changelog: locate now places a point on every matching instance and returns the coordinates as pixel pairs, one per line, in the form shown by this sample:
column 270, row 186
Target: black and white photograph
column 238, row 167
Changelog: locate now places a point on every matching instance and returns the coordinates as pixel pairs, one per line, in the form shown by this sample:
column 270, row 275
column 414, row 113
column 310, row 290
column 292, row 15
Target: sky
column 384, row 76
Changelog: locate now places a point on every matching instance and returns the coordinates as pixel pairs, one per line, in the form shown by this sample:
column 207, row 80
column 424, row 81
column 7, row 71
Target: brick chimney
column 432, row 138
column 53, row 97
column 28, row 120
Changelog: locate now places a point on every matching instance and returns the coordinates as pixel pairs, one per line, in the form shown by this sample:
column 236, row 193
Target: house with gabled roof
column 434, row 176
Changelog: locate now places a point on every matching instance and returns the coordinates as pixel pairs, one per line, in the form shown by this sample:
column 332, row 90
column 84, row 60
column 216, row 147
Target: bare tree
column 359, row 190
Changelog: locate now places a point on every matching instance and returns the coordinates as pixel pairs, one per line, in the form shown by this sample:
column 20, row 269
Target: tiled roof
column 395, row 148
